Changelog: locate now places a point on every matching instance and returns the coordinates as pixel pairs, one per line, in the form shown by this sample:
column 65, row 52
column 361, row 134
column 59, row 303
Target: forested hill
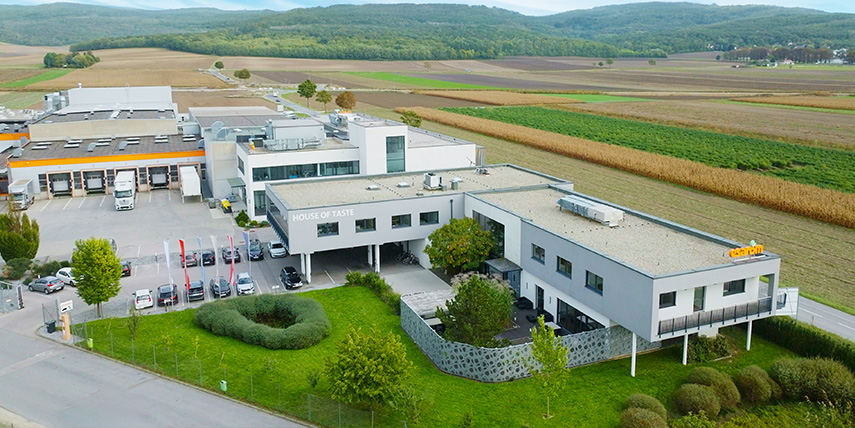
column 60, row 24
column 428, row 31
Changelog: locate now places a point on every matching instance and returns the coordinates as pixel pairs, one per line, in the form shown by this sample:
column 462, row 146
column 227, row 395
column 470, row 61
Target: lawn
column 598, row 98
column 47, row 75
column 592, row 398
column 20, row 100
column 416, row 81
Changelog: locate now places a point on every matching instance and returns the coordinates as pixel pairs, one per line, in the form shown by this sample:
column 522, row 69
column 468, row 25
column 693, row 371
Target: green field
column 47, row 75
column 606, row 384
column 416, row 81
column 832, row 169
column 19, row 100
column 598, row 98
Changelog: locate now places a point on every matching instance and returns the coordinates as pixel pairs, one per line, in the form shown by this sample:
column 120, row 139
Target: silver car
column 47, row 284
column 276, row 249
column 244, row 284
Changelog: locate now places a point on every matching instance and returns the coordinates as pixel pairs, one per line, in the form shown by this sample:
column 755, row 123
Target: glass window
column 666, row 300
column 700, row 295
column 365, row 225
column 339, row 168
column 327, row 229
column 564, row 267
column 538, row 253
column 429, row 218
column 594, row 282
column 395, row 152
column 497, row 232
column 403, row 220
column 284, row 172
column 734, row 287
column 240, row 166
column 260, row 202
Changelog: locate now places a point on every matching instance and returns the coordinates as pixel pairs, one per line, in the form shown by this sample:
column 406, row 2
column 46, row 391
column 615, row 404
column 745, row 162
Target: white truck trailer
column 125, row 190
column 21, row 194
column 190, row 183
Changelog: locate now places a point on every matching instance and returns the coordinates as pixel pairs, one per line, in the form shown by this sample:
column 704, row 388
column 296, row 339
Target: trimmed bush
column 702, row 349
column 16, row 268
column 806, row 340
column 694, row 398
column 376, row 284
column 272, row 321
column 644, row 401
column 641, row 418
column 755, row 385
column 47, row 269
column 693, row 420
column 723, row 386
column 814, row 379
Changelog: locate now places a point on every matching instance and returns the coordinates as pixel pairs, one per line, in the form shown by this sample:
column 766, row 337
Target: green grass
column 592, row 398
column 19, row 100
column 598, row 98
column 416, row 81
column 821, row 167
column 786, row 107
column 47, row 75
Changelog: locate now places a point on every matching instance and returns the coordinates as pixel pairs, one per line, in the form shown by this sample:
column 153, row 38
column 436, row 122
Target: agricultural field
column 819, row 102
column 831, row 169
column 527, row 81
column 499, row 98
column 186, row 99
column 13, row 75
column 43, row 76
column 598, row 98
column 830, row 130
column 152, row 59
column 391, row 100
column 434, row 81
column 120, row 77
column 22, row 100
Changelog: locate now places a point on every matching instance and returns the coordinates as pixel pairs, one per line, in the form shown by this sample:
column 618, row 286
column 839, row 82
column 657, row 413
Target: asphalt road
column 827, row 318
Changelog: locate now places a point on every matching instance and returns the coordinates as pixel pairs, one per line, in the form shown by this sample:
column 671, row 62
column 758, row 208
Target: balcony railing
column 719, row 316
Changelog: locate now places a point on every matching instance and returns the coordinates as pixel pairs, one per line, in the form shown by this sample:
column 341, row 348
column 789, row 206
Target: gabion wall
column 503, row 364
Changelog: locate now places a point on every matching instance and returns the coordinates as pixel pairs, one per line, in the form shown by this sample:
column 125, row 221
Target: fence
column 11, row 297
column 722, row 317
column 206, row 368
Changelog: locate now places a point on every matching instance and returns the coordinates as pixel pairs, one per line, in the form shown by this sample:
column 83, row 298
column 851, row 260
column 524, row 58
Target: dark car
column 220, row 287
column 290, row 278
column 196, row 291
column 126, row 268
column 208, row 258
column 46, row 284
column 167, row 295
column 229, row 255
column 254, row 250
column 189, row 260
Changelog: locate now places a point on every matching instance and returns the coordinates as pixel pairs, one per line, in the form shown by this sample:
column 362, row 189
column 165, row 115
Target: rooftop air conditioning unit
column 604, row 214
column 432, row 181
column 481, row 171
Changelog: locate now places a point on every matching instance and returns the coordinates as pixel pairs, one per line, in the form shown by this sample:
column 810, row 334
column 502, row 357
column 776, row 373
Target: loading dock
column 60, row 183
column 118, row 170
column 94, row 181
column 158, row 177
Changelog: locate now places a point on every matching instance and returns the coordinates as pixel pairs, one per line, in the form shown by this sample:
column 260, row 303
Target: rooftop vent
column 17, row 152
column 481, row 171
column 115, row 114
column 403, row 184
column 71, row 145
column 91, row 147
column 123, row 144
column 102, row 143
column 604, row 214
column 373, row 187
column 134, row 140
column 40, row 147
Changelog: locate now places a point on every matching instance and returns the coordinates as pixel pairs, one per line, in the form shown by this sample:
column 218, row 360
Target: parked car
column 167, row 295
column 196, row 291
column 143, row 299
column 229, row 255
column 189, row 260
column 276, row 249
column 244, row 284
column 126, row 268
column 254, row 251
column 208, row 258
column 220, row 287
column 290, row 278
column 64, row 275
column 46, row 284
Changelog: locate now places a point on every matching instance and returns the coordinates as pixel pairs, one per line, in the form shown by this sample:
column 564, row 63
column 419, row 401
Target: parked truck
column 125, row 190
column 21, row 194
column 190, row 185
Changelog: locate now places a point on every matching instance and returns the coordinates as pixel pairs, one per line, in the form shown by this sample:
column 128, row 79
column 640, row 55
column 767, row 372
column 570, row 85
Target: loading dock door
column 158, row 177
column 60, row 183
column 94, row 181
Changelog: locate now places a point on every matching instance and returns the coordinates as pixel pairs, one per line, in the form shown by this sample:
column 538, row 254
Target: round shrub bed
column 755, row 385
column 694, row 398
column 641, row 418
column 274, row 322
column 722, row 384
column 644, row 401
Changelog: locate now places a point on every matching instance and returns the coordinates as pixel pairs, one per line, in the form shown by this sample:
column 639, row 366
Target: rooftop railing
column 717, row 317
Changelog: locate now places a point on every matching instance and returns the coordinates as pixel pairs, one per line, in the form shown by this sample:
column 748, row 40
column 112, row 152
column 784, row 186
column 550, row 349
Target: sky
column 527, row 7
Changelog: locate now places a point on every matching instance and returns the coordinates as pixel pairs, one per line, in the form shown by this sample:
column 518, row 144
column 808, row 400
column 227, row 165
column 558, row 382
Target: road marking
column 82, row 200
column 102, row 200
column 136, row 268
column 169, row 195
column 814, row 314
column 844, row 325
column 139, row 248
column 48, row 203
column 149, row 195
column 67, row 203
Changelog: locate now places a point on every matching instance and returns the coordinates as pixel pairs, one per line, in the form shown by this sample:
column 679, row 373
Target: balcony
column 715, row 318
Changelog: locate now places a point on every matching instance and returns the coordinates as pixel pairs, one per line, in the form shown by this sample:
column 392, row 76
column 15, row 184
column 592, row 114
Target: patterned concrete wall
column 504, row 364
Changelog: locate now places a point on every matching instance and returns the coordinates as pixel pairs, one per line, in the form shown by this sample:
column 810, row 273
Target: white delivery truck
column 21, row 194
column 125, row 190
column 190, row 184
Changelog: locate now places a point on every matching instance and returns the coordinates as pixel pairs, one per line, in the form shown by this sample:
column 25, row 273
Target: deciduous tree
column 219, row 65
column 368, row 368
column 411, row 118
column 323, row 97
column 460, row 245
column 548, row 362
column 610, row 61
column 19, row 236
column 243, row 74
column 346, row 100
column 481, row 309
column 96, row 271
column 307, row 90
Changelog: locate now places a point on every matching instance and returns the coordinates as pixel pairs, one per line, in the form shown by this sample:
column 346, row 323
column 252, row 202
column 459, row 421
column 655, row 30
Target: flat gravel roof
column 636, row 241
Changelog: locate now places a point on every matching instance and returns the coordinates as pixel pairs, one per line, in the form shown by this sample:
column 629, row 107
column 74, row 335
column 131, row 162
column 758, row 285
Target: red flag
column 184, row 263
column 232, row 264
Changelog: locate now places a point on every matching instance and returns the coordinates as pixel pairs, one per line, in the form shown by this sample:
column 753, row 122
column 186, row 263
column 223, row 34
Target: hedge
column 702, row 348
column 644, row 401
column 375, row 283
column 814, row 379
column 641, row 418
column 723, row 386
column 694, row 398
column 806, row 340
column 303, row 321
column 756, row 386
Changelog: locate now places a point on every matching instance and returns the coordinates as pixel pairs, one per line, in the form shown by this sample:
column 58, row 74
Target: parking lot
column 160, row 215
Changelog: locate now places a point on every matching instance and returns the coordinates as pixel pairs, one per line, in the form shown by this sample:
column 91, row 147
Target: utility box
column 224, row 386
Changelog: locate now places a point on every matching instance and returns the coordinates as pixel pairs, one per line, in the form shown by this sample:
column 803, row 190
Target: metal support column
column 377, row 258
column 748, row 342
column 308, row 268
column 634, row 348
column 685, row 349
column 370, row 254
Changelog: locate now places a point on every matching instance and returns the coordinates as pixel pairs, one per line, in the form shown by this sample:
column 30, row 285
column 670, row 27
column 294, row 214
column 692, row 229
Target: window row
column 285, row 172
column 564, row 267
column 669, row 299
column 370, row 224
